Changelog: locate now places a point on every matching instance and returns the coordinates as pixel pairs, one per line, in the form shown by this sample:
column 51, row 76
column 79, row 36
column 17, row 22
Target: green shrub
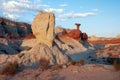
column 10, row 68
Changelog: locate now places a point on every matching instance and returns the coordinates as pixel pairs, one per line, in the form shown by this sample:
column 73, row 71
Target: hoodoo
column 43, row 27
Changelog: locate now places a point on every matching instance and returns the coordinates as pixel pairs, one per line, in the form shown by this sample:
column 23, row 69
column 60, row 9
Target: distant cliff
column 14, row 29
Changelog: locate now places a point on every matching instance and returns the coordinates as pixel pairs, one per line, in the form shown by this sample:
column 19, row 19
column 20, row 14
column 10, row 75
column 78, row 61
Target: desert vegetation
column 10, row 68
column 79, row 63
column 44, row 64
column 116, row 65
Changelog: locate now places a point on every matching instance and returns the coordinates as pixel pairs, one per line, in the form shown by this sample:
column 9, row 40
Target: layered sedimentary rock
column 9, row 47
column 14, row 29
column 43, row 27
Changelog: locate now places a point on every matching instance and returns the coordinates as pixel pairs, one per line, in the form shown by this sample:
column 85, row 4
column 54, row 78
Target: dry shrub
column 109, row 53
column 44, row 64
column 116, row 65
column 82, row 62
column 10, row 68
column 28, row 48
column 73, row 63
column 57, row 67
column 20, row 55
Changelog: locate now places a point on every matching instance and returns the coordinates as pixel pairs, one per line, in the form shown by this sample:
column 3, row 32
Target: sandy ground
column 72, row 72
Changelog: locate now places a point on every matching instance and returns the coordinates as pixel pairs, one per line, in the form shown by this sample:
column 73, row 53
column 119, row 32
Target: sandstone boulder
column 29, row 43
column 75, row 34
column 43, row 27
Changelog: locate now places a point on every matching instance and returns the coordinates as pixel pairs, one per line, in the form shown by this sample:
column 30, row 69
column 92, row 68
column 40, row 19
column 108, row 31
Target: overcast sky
column 97, row 17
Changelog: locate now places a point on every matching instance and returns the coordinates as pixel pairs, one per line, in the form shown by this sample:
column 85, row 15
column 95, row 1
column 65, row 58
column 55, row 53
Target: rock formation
column 61, row 49
column 75, row 34
column 43, row 27
column 31, row 58
column 2, row 31
column 9, row 47
column 14, row 29
column 84, row 36
column 44, row 47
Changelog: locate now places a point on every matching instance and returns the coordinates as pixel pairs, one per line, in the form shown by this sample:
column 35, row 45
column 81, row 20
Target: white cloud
column 54, row 10
column 25, row 1
column 14, row 8
column 75, row 15
column 10, row 8
column 44, row 5
column 63, row 5
column 11, row 16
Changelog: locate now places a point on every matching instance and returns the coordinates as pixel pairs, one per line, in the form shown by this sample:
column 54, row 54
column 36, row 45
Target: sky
column 97, row 17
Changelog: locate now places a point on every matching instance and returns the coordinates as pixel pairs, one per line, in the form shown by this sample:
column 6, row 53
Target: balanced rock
column 75, row 33
column 43, row 27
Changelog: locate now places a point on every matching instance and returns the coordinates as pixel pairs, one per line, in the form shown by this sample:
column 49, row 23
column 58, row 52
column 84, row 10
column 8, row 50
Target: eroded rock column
column 43, row 27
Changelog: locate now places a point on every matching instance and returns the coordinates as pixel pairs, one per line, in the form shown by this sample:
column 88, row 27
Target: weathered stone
column 29, row 43
column 43, row 27
column 12, row 30
column 3, row 41
column 75, row 33
column 9, row 46
column 62, row 46
column 60, row 57
column 7, row 49
column 3, row 58
column 42, row 51
column 74, row 46
column 2, row 31
column 84, row 37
